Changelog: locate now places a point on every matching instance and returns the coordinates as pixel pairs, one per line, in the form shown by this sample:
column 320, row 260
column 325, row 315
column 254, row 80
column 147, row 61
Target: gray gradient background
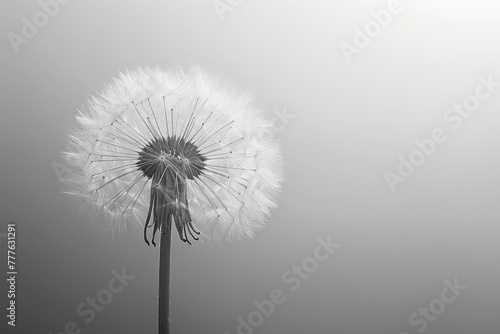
column 352, row 121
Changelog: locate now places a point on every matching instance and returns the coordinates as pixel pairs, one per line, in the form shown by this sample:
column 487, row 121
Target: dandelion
column 189, row 149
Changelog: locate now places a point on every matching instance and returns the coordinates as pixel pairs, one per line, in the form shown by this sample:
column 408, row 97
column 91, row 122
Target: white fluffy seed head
column 232, row 197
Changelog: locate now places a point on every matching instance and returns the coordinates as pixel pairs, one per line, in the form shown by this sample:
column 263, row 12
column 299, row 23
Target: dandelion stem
column 164, row 280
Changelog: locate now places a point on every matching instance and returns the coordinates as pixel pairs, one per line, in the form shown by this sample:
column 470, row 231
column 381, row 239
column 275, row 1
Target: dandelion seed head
column 179, row 147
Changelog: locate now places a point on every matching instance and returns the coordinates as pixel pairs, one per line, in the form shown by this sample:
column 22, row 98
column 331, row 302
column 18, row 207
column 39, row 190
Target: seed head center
column 176, row 154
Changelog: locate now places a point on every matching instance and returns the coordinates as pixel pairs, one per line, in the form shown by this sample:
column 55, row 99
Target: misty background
column 350, row 119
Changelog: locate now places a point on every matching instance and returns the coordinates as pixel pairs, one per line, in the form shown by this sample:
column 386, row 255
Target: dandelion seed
column 160, row 148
